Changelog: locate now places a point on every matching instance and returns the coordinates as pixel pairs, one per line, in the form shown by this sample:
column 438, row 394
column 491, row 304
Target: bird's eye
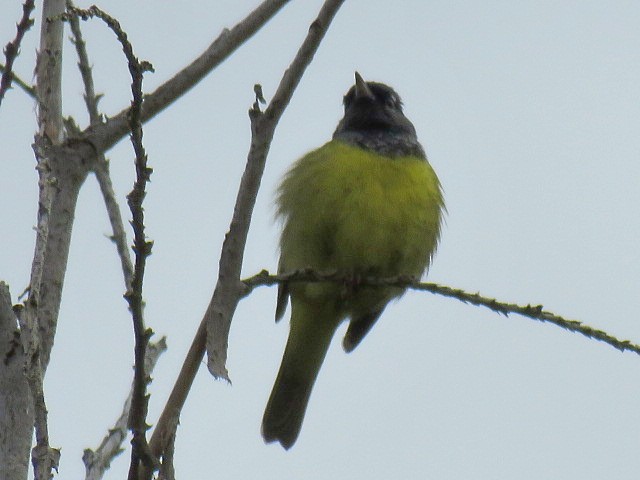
column 391, row 102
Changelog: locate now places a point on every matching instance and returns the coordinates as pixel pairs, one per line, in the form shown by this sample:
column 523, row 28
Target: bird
column 365, row 204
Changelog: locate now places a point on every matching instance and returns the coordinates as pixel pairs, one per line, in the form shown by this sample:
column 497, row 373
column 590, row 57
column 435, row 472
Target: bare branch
column 229, row 289
column 90, row 97
column 141, row 247
column 142, row 250
column 16, row 420
column 167, row 470
column 61, row 173
column 161, row 437
column 118, row 236
column 44, row 457
column 12, row 49
column 49, row 72
column 28, row 89
column 263, row 126
column 105, row 135
column 98, row 461
column 535, row 312
column 49, row 36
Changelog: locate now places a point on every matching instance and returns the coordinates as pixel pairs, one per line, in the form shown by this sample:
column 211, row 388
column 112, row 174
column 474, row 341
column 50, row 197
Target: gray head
column 373, row 120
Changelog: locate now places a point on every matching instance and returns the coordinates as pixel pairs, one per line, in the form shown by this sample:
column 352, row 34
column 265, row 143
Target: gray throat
column 383, row 143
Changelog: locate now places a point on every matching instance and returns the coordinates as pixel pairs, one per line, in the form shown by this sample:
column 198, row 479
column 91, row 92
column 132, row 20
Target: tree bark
column 16, row 409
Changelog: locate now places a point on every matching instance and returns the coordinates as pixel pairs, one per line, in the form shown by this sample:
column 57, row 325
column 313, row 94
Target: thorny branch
column 118, row 234
column 141, row 247
column 90, row 98
column 12, row 48
column 28, row 89
column 97, row 461
column 535, row 312
column 101, row 170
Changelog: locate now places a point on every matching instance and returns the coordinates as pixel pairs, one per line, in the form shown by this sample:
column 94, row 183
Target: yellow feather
column 351, row 210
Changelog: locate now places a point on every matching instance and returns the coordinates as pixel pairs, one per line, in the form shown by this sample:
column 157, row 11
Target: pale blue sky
column 529, row 112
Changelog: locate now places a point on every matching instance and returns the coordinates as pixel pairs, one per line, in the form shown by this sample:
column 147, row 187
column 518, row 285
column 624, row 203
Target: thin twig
column 142, row 247
column 12, row 48
column 105, row 135
column 228, row 289
column 263, row 126
column 97, row 461
column 28, row 89
column 90, row 98
column 118, row 236
column 535, row 312
column 102, row 165
column 118, row 233
column 161, row 436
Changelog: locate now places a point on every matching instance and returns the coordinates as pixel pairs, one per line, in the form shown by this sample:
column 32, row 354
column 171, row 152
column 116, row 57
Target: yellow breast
column 353, row 210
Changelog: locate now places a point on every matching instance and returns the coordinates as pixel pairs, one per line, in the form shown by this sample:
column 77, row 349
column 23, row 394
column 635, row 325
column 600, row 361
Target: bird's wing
column 358, row 329
column 283, row 295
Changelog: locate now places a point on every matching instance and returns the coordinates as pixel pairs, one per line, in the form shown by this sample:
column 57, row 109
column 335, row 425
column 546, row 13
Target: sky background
column 530, row 114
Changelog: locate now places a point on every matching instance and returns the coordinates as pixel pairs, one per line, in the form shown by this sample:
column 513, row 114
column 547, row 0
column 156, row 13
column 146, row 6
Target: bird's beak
column 362, row 89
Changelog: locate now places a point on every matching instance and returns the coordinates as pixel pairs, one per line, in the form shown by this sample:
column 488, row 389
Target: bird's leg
column 350, row 284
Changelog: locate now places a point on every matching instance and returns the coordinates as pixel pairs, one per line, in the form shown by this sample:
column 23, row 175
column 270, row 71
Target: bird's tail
column 309, row 339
